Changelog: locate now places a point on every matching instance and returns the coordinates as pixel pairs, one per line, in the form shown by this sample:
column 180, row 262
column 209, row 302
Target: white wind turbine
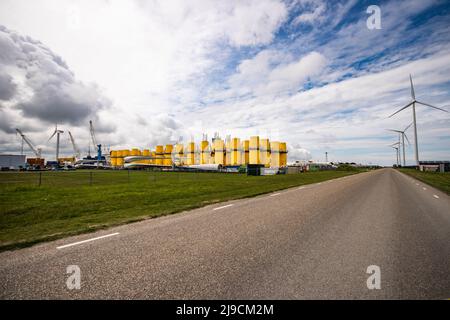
column 402, row 135
column 397, row 151
column 413, row 104
column 57, row 132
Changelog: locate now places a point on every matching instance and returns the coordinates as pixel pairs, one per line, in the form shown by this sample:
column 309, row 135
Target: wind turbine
column 397, row 151
column 402, row 135
column 57, row 132
column 413, row 104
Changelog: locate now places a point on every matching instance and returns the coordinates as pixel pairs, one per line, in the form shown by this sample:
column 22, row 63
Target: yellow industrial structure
column 229, row 153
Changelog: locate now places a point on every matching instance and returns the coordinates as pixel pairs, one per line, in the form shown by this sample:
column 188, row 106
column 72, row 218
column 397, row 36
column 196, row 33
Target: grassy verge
column 438, row 180
column 69, row 203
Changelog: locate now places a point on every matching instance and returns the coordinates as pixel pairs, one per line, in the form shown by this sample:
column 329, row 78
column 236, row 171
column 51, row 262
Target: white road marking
column 437, row 197
column 424, row 188
column 301, row 188
column 88, row 240
column 275, row 194
column 223, row 207
column 417, row 184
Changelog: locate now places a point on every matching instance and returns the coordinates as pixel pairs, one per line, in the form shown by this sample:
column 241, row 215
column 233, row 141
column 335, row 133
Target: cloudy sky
column 146, row 72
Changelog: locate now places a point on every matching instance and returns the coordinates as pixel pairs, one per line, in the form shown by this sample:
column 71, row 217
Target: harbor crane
column 94, row 142
column 76, row 150
column 36, row 151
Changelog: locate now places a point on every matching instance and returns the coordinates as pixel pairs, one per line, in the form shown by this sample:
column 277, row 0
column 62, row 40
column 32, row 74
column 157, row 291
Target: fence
column 98, row 177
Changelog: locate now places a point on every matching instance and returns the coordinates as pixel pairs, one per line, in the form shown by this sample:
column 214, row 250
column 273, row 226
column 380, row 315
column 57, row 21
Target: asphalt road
column 301, row 243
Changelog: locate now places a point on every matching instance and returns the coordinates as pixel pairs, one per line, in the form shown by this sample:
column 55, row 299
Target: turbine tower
column 413, row 104
column 57, row 132
column 397, row 151
column 402, row 135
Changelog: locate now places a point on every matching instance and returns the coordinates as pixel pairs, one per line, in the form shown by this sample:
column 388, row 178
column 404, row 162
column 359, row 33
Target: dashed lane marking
column 88, row 240
column 223, row 207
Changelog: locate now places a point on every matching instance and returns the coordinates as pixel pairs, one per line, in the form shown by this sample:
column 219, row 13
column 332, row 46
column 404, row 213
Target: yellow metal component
column 236, row 152
column 159, row 153
column 275, row 154
column 204, row 152
column 190, row 153
column 168, row 155
column 283, row 154
column 212, row 159
column 254, row 150
column 264, row 152
column 146, row 153
column 219, row 156
column 119, row 159
column 63, row 160
column 246, row 154
column 179, row 154
column 228, row 152
column 153, row 155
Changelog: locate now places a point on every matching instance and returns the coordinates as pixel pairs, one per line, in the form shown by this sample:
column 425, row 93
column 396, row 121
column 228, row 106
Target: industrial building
column 214, row 155
column 12, row 161
column 435, row 166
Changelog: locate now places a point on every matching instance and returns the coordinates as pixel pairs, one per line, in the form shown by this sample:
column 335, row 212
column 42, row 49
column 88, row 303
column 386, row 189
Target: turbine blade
column 52, row 136
column 407, row 127
column 394, row 130
column 394, row 144
column 429, row 105
column 413, row 95
column 402, row 109
column 409, row 143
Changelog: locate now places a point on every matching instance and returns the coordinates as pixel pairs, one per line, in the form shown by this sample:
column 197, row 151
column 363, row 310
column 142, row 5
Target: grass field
column 68, row 203
column 438, row 180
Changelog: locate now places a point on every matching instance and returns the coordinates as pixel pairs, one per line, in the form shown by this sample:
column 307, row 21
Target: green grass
column 66, row 203
column 438, row 180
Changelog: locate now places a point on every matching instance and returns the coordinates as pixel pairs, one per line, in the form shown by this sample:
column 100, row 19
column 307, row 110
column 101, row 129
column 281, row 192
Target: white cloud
column 269, row 73
column 297, row 152
column 312, row 16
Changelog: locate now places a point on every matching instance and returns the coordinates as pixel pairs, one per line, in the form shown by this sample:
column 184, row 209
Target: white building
column 12, row 161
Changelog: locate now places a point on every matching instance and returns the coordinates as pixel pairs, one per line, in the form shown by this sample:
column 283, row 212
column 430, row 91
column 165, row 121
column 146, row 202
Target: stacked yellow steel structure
column 190, row 153
column 233, row 152
column 168, row 155
column 254, row 150
column 219, row 152
column 159, row 154
column 264, row 152
column 179, row 154
column 283, row 154
column 146, row 153
column 113, row 155
column 228, row 152
column 204, row 152
column 246, row 156
column 275, row 154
